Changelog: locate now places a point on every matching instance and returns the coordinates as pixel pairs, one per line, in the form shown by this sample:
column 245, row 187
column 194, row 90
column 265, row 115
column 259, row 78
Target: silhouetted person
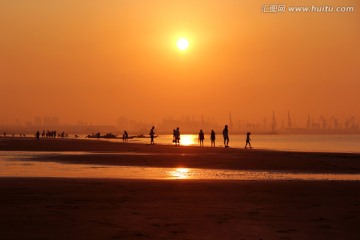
column 201, row 137
column 212, row 137
column 174, row 133
column 226, row 136
column 152, row 135
column 177, row 137
column 125, row 136
column 248, row 140
column 37, row 135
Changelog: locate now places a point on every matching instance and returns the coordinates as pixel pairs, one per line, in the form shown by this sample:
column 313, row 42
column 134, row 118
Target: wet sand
column 53, row 208
column 133, row 154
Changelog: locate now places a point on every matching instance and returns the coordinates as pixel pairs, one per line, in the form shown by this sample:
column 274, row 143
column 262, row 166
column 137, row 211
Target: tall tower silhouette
column 308, row 122
column 230, row 120
column 273, row 123
column 289, row 125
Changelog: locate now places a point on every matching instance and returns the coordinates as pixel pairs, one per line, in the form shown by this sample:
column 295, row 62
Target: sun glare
column 182, row 44
column 180, row 173
column 187, row 140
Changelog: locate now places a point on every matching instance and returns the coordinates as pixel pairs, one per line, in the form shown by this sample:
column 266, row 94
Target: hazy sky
column 95, row 61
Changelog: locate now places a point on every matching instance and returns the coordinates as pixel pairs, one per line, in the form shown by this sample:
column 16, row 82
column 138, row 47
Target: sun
column 182, row 44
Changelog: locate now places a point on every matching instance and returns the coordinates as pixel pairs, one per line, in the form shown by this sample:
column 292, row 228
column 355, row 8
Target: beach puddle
column 190, row 173
column 18, row 164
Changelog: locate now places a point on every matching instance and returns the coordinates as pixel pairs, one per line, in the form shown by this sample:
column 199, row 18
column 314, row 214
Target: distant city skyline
column 191, row 124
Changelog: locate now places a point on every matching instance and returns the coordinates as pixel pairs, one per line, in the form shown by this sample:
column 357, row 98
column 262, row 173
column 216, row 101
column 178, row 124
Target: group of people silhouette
column 50, row 134
column 176, row 137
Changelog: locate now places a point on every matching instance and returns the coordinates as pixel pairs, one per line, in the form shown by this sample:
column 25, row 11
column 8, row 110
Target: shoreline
column 167, row 156
column 169, row 143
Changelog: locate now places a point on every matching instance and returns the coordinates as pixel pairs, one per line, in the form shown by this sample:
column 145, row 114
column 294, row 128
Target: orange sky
column 98, row 60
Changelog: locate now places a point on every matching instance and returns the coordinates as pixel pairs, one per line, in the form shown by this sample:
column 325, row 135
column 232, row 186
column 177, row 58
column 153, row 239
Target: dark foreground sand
column 50, row 208
column 181, row 209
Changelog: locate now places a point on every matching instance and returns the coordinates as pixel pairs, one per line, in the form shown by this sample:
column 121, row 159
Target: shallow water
column 303, row 143
column 18, row 164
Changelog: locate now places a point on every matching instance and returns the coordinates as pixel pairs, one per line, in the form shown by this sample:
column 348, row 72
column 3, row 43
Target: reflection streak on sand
column 181, row 173
column 22, row 168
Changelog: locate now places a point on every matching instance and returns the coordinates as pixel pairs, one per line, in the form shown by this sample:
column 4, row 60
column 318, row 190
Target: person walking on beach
column 212, row 137
column 177, row 137
column 125, row 136
column 201, row 137
column 226, row 136
column 152, row 135
column 248, row 140
column 37, row 135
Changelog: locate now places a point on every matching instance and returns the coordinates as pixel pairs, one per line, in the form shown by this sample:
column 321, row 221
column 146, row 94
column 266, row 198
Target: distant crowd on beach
column 43, row 134
column 50, row 134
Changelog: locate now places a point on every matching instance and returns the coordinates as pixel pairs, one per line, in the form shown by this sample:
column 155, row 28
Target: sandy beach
column 65, row 208
column 134, row 154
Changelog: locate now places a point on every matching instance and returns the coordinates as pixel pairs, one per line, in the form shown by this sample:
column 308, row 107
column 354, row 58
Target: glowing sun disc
column 182, row 44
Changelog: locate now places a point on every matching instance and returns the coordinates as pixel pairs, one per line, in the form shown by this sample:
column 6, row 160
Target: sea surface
column 303, row 143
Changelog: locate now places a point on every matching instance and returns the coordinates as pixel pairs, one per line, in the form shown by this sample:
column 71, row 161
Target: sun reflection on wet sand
column 18, row 165
column 181, row 173
column 11, row 168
